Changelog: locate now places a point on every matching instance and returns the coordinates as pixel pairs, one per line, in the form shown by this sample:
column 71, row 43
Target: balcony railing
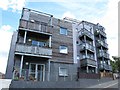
column 87, row 61
column 101, row 32
column 24, row 48
column 87, row 46
column 86, row 32
column 105, row 66
column 36, row 26
column 103, row 54
column 101, row 43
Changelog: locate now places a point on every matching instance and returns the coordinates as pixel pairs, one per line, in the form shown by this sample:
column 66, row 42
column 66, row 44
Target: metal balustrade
column 101, row 43
column 101, row 32
column 105, row 66
column 84, row 31
column 103, row 54
column 87, row 46
column 87, row 61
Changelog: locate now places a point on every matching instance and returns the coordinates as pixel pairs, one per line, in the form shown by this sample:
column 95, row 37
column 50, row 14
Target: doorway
column 37, row 71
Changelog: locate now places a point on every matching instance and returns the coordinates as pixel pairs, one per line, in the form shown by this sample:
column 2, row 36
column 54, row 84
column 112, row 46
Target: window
column 63, row 72
column 77, row 42
column 38, row 43
column 34, row 43
column 63, row 31
column 63, row 49
column 42, row 44
column 78, row 58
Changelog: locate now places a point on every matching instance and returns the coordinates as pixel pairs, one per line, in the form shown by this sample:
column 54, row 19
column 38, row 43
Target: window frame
column 63, row 32
column 66, row 52
column 63, row 74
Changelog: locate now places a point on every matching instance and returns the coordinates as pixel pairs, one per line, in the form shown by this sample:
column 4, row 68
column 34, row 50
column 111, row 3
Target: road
column 110, row 84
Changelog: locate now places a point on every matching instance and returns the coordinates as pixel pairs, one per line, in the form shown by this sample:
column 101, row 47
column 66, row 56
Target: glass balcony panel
column 23, row 48
column 35, row 26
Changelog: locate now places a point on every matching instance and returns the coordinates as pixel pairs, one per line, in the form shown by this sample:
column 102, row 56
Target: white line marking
column 111, row 85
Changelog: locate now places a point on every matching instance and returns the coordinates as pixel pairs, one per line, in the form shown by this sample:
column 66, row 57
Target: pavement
column 4, row 83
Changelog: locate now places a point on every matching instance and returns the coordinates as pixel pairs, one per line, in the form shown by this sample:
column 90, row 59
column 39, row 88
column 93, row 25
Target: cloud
column 5, row 39
column 103, row 12
column 85, row 9
column 15, row 5
column 110, row 21
column 6, row 27
column 65, row 1
column 68, row 14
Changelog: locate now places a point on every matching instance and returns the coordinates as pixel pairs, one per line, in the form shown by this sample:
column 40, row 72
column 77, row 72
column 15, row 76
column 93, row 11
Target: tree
column 116, row 64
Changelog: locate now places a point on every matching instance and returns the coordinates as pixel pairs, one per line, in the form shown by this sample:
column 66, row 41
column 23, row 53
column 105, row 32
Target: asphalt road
column 110, row 84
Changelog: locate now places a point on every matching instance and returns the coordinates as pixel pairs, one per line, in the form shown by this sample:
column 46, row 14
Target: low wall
column 82, row 83
column 88, row 75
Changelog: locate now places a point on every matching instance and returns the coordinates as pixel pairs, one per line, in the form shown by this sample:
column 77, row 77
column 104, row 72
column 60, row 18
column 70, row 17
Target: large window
column 63, row 31
column 63, row 49
column 63, row 71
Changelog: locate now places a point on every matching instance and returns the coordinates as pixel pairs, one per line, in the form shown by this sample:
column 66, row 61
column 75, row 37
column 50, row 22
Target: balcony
column 35, row 26
column 86, row 32
column 100, row 43
column 101, row 32
column 35, row 50
column 105, row 67
column 87, row 46
column 103, row 54
column 87, row 61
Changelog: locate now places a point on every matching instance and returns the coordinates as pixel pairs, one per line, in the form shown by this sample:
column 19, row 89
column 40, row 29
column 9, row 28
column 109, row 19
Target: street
column 111, row 84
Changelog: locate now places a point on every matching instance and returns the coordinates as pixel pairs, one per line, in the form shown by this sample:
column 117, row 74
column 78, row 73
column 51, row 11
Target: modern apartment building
column 42, row 48
column 45, row 48
column 91, row 47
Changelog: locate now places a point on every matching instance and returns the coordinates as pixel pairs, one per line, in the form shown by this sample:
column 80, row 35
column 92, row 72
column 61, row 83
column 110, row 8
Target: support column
column 48, row 70
column 96, row 70
column 87, row 69
column 21, row 65
column 25, row 37
column 50, row 41
column 86, row 54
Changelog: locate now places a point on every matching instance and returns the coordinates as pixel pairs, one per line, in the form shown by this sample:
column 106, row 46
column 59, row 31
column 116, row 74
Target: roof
column 1, row 73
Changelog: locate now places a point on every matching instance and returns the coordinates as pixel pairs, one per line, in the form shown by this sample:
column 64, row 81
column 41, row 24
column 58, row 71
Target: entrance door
column 37, row 71
column 41, row 72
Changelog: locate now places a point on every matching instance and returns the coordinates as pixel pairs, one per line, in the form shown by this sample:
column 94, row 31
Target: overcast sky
column 104, row 12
